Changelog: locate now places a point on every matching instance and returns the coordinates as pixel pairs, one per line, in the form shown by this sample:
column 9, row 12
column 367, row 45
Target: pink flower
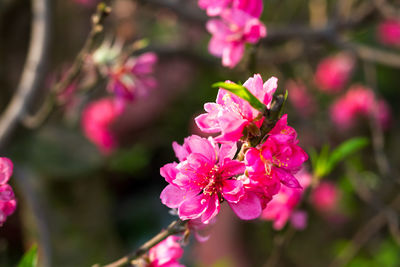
column 97, row 118
column 230, row 115
column 133, row 79
column 267, row 166
column 282, row 206
column 8, row 202
column 334, row 72
column 166, row 253
column 231, row 33
column 204, row 177
column 388, row 32
column 300, row 98
column 278, row 158
column 359, row 101
column 325, row 197
column 216, row 7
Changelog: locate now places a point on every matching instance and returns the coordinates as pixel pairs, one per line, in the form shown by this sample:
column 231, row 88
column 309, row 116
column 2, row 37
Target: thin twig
column 174, row 228
column 33, row 70
column 364, row 234
column 33, row 121
column 279, row 243
column 386, row 9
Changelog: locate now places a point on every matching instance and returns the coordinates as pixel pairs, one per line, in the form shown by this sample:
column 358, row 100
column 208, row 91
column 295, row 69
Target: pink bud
column 334, row 72
column 325, row 197
column 388, row 32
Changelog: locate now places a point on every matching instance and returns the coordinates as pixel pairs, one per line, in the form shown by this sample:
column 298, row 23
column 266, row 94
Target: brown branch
column 174, row 228
column 33, row 70
column 33, row 121
column 386, row 9
column 182, row 8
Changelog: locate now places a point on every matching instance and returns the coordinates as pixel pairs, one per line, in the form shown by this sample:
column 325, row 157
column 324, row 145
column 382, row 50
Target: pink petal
column 248, row 208
column 6, row 193
column 231, row 168
column 286, row 178
column 232, row 190
column 172, row 196
column 227, row 151
column 299, row 220
column 232, row 54
column 194, row 207
column 6, row 170
column 169, row 172
column 212, row 209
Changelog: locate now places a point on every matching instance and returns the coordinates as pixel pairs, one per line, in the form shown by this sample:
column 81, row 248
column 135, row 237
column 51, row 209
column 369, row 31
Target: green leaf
column 243, row 93
column 30, row 258
column 344, row 150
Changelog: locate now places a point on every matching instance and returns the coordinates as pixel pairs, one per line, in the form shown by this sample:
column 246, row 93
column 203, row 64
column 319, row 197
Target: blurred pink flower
column 388, row 32
column 231, row 114
column 282, row 206
column 334, row 72
column 133, row 79
column 97, row 118
column 166, row 253
column 325, row 197
column 8, row 202
column 204, row 177
column 300, row 98
column 359, row 101
column 231, row 33
column 216, row 7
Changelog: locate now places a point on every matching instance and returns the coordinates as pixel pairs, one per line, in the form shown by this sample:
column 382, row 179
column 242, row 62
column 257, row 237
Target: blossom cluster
column 238, row 24
column 210, row 170
column 127, row 82
column 8, row 202
column 359, row 101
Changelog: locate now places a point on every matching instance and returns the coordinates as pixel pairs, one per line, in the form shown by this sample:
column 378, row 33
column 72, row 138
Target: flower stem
column 175, row 227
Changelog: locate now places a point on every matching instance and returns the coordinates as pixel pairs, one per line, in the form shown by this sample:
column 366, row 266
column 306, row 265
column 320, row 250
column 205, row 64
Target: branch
column 364, row 234
column 183, row 9
column 42, row 114
column 174, row 228
column 33, row 70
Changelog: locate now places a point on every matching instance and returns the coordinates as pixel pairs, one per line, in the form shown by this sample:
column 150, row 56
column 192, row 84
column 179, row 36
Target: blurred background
column 83, row 206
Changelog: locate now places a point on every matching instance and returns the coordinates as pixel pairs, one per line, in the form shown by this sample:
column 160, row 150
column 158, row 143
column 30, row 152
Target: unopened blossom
column 97, row 118
column 204, row 177
column 359, row 101
column 230, row 115
column 388, row 32
column 282, row 206
column 216, row 7
column 300, row 98
column 134, row 78
column 334, row 72
column 166, row 253
column 278, row 158
column 231, row 32
column 325, row 197
column 8, row 202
